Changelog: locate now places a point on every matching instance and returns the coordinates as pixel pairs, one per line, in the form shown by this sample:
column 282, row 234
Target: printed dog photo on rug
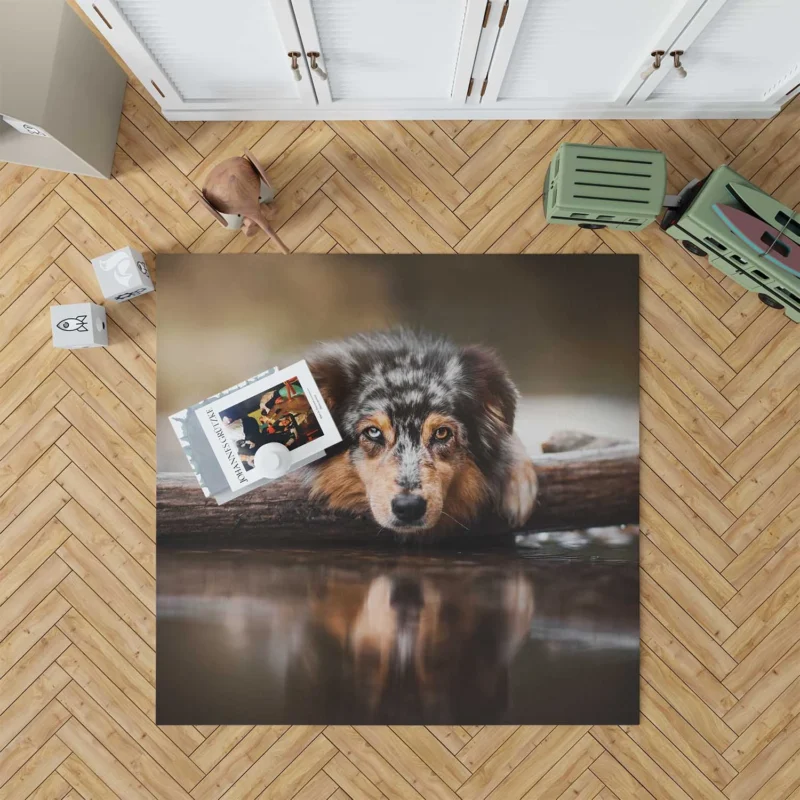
column 428, row 431
column 469, row 536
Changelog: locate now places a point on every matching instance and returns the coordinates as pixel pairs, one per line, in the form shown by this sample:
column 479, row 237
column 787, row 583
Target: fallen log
column 581, row 488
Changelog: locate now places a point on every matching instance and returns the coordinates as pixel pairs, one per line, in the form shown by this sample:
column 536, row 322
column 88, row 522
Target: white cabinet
column 578, row 52
column 737, row 51
column 372, row 59
column 383, row 54
column 205, row 54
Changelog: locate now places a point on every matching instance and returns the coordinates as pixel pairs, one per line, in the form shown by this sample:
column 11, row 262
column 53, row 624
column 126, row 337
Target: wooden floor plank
column 501, row 180
column 676, row 667
column 32, row 192
column 91, row 606
column 12, row 176
column 108, row 478
column 35, row 735
column 475, row 133
column 38, row 295
column 685, row 737
column 109, row 588
column 437, row 143
column 120, row 744
column 349, row 778
column 153, row 162
column 136, row 108
column 152, row 197
column 98, row 433
column 151, row 739
column 703, row 610
column 108, row 515
column 236, row 763
column 30, row 230
column 27, row 525
column 393, row 189
column 84, row 782
column 101, row 763
column 683, row 555
column 101, row 544
column 30, row 267
column 35, row 552
column 384, row 198
column 279, row 138
column 682, row 411
column 30, row 430
column 31, row 593
column 426, row 168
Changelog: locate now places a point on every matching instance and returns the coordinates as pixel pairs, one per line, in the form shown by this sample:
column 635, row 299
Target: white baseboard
column 649, row 111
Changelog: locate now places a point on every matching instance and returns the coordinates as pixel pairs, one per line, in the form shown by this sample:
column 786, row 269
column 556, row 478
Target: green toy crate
column 697, row 226
column 605, row 187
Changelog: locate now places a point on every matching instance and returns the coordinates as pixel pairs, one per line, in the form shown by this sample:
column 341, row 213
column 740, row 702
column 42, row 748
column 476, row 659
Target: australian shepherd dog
column 427, row 426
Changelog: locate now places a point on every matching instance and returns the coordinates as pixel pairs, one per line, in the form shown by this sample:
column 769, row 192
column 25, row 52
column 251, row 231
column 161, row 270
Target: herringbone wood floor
column 720, row 476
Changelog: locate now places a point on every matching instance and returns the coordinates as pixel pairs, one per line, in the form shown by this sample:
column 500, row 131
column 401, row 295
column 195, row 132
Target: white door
column 578, row 54
column 381, row 54
column 735, row 51
column 209, row 54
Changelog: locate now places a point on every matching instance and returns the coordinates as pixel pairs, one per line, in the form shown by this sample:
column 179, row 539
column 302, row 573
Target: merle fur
column 408, row 375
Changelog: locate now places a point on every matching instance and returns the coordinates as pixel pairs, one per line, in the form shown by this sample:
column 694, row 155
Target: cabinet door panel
column 580, row 52
column 209, row 54
column 390, row 52
column 747, row 52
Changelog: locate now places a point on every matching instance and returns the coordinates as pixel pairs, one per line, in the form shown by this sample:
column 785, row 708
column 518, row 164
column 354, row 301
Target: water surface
column 526, row 635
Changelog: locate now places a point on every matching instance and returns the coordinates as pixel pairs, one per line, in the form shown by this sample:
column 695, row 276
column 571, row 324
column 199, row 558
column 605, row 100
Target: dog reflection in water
column 420, row 647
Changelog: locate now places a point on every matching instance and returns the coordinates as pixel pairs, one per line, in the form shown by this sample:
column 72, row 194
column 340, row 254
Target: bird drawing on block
column 233, row 187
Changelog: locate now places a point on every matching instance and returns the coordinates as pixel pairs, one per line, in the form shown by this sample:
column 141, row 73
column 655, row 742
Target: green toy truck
column 702, row 232
column 610, row 187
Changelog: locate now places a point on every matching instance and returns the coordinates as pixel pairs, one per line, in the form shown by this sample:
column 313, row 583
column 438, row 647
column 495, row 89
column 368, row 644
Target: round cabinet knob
column 273, row 460
column 676, row 58
column 657, row 56
column 295, row 65
column 315, row 68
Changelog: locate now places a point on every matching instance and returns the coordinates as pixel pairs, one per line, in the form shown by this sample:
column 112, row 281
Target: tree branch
column 588, row 487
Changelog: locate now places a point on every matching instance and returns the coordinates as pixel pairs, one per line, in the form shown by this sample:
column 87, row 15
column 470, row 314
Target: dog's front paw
column 519, row 492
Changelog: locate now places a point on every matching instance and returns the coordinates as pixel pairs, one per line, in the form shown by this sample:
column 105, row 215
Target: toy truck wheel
column 769, row 301
column 693, row 248
column 592, row 226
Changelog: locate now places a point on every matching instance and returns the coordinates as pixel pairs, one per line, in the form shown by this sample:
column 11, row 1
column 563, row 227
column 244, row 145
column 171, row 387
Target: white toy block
column 79, row 325
column 122, row 274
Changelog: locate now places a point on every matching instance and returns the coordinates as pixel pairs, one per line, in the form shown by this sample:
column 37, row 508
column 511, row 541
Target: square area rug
column 466, row 554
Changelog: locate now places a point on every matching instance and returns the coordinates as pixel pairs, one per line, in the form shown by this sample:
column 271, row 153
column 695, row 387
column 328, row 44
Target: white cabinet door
column 746, row 51
column 404, row 54
column 208, row 54
column 578, row 54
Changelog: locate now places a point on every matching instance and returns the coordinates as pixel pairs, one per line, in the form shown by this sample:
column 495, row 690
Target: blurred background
column 566, row 326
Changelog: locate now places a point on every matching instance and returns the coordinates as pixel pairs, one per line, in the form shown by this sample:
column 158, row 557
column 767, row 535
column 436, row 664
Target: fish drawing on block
column 77, row 324
column 763, row 238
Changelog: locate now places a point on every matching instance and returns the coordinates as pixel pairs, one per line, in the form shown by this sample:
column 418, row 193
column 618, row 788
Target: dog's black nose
column 409, row 507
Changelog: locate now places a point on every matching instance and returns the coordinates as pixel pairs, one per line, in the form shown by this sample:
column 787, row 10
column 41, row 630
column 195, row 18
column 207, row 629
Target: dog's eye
column 442, row 434
column 373, row 433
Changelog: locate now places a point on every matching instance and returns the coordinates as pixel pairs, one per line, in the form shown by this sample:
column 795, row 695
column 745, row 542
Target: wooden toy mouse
column 236, row 192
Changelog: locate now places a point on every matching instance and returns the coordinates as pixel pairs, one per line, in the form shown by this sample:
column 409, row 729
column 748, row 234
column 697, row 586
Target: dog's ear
column 329, row 373
column 495, row 389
